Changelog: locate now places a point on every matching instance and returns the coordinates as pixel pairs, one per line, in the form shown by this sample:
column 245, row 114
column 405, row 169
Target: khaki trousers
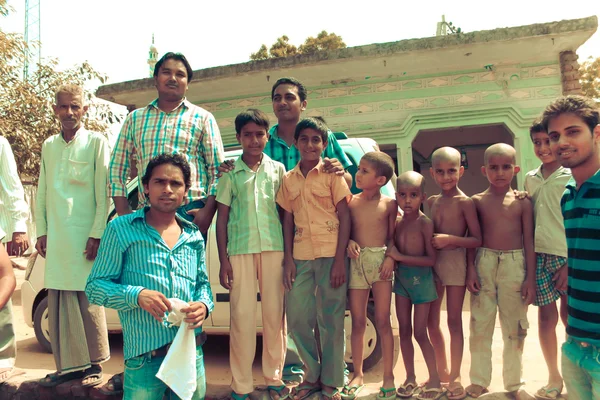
column 266, row 270
column 501, row 274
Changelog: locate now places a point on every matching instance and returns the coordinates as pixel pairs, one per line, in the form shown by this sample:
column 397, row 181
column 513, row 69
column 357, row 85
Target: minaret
column 152, row 57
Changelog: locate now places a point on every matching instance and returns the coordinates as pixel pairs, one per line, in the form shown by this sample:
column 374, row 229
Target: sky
column 114, row 35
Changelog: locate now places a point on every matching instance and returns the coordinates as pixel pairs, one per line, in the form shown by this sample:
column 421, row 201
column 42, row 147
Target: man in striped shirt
column 572, row 123
column 145, row 259
column 171, row 124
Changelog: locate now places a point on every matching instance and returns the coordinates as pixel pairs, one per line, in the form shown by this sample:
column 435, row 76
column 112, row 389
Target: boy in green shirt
column 250, row 243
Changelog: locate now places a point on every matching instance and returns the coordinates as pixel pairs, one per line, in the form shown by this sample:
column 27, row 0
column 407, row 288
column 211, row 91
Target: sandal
column 116, row 382
column 54, row 379
column 439, row 393
column 351, row 392
column 548, row 393
column 307, row 387
column 281, row 391
column 93, row 375
column 335, row 395
column 385, row 393
column 456, row 391
column 476, row 391
column 407, row 390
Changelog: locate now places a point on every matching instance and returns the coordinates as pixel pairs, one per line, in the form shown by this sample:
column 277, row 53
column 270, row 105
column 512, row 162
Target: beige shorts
column 364, row 270
column 451, row 267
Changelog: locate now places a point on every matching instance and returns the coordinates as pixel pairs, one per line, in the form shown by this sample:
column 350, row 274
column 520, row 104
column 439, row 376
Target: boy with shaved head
column 502, row 276
column 413, row 283
column 456, row 228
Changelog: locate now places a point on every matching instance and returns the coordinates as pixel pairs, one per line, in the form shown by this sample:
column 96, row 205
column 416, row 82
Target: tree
column 589, row 77
column 323, row 42
column 282, row 48
column 26, row 115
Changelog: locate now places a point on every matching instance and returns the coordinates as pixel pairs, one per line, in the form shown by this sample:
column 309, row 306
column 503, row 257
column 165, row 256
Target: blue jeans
column 581, row 370
column 141, row 383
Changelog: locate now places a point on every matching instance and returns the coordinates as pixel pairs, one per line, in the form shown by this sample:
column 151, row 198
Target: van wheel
column 372, row 343
column 40, row 325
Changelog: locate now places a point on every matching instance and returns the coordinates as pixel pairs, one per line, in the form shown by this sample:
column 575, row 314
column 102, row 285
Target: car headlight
column 30, row 264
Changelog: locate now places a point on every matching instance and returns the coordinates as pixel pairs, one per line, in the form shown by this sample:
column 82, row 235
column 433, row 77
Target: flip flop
column 117, row 385
column 456, row 391
column 385, row 393
column 476, row 391
column 54, row 379
column 355, row 389
column 545, row 393
column 279, row 390
column 439, row 393
column 335, row 395
column 407, row 393
column 310, row 390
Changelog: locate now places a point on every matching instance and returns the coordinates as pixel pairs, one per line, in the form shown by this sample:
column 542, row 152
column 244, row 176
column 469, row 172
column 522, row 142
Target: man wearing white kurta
column 72, row 207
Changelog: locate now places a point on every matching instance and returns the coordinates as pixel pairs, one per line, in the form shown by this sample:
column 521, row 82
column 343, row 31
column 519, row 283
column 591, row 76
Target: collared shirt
column 278, row 150
column 546, row 195
column 581, row 212
column 133, row 257
column 188, row 130
column 71, row 205
column 313, row 202
column 254, row 224
column 14, row 211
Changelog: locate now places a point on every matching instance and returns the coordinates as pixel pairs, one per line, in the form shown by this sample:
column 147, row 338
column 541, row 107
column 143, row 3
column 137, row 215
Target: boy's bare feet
column 550, row 391
column 456, row 391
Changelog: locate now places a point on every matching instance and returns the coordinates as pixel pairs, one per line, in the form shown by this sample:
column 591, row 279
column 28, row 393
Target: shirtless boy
column 502, row 276
column 456, row 227
column 413, row 283
column 373, row 219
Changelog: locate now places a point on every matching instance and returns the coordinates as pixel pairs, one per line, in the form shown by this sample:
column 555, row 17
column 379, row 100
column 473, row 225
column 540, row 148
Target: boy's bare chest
column 500, row 210
column 368, row 212
column 446, row 211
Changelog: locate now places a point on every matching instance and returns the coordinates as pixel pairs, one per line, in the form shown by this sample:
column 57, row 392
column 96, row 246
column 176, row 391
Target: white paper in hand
column 178, row 369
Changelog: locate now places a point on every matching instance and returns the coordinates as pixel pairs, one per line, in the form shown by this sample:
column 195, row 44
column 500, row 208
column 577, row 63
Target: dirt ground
column 35, row 363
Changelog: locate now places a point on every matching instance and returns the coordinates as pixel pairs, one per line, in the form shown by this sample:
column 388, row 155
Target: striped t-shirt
column 581, row 212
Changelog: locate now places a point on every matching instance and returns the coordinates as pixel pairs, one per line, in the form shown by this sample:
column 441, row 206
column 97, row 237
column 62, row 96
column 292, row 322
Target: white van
column 35, row 300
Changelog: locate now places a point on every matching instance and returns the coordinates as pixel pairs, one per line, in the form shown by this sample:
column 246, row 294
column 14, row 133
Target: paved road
column 36, row 363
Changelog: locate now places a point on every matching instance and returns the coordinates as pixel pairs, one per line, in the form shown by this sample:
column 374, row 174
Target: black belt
column 162, row 351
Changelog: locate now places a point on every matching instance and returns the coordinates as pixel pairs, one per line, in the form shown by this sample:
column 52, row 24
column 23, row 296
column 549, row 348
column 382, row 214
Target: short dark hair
column 312, row 123
column 381, row 162
column 175, row 159
column 251, row 115
column 580, row 106
column 536, row 127
column 290, row 81
column 174, row 56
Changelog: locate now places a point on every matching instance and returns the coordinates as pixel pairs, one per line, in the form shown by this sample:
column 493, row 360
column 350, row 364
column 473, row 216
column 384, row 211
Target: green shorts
column 415, row 283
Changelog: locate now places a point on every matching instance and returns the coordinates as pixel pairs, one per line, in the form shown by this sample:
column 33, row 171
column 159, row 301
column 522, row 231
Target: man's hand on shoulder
column 225, row 167
column 195, row 314
column 333, row 166
column 521, row 195
column 91, row 249
column 154, row 302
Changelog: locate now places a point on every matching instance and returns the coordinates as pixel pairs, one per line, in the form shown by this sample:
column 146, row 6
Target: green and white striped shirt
column 133, row 257
column 254, row 224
